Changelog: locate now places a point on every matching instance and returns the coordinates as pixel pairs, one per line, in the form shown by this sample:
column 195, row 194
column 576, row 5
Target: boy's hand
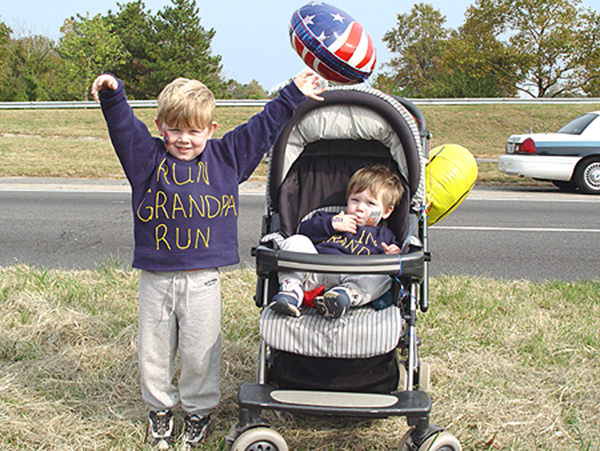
column 392, row 249
column 344, row 223
column 104, row 81
column 310, row 84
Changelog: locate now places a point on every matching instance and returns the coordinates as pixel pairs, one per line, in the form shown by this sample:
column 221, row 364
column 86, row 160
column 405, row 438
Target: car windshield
column 578, row 125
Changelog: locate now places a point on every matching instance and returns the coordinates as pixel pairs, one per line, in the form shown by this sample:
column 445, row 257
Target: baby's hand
column 310, row 84
column 344, row 223
column 104, row 81
column 392, row 249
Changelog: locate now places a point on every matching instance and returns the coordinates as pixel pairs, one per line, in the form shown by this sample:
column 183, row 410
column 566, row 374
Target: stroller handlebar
column 410, row 265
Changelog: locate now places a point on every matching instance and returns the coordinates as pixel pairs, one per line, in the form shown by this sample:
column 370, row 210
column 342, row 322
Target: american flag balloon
column 332, row 43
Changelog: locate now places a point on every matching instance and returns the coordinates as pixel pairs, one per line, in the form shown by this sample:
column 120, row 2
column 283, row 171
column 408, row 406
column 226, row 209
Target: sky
column 251, row 36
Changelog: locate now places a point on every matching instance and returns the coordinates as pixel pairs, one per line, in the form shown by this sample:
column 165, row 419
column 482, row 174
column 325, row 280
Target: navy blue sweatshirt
column 366, row 241
column 185, row 212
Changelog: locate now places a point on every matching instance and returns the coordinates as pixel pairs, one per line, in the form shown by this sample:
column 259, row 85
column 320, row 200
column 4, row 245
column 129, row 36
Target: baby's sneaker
column 334, row 303
column 288, row 299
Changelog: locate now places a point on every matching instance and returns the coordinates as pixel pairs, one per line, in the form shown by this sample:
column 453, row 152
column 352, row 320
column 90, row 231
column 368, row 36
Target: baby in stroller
column 371, row 196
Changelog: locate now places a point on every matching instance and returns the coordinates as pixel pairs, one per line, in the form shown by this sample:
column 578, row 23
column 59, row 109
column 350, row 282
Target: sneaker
column 334, row 303
column 196, row 430
column 160, row 425
column 286, row 304
column 288, row 299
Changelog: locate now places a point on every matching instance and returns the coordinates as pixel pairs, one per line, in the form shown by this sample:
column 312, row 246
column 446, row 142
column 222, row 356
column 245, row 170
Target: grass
column 483, row 129
column 74, row 143
column 514, row 364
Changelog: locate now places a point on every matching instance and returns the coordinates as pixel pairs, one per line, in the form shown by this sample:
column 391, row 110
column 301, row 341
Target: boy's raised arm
column 104, row 81
column 310, row 84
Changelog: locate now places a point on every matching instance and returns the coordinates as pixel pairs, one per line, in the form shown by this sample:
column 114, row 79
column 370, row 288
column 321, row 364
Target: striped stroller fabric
column 361, row 333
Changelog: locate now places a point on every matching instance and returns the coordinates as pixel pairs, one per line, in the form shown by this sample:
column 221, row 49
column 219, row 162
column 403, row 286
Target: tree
column 5, row 33
column 252, row 90
column 549, row 39
column 476, row 64
column 434, row 61
column 29, row 69
column 89, row 47
column 134, row 25
column 180, row 48
column 539, row 47
column 592, row 50
column 417, row 40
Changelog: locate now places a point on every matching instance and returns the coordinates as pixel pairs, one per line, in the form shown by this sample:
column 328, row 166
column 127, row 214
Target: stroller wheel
column 444, row 441
column 440, row 441
column 259, row 439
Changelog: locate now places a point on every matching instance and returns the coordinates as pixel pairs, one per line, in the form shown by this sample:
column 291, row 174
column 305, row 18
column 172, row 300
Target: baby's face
column 367, row 208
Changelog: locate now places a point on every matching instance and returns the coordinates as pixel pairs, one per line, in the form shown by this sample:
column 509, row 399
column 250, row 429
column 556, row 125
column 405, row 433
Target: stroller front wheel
column 440, row 441
column 260, row 439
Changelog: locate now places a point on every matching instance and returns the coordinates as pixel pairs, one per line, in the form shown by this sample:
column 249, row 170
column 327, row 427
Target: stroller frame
column 411, row 269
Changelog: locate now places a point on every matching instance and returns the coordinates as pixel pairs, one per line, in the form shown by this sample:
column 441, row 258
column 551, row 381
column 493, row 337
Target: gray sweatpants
column 180, row 310
column 367, row 287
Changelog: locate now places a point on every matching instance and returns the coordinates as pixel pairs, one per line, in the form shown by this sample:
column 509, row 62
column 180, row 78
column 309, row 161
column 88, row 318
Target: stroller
column 366, row 363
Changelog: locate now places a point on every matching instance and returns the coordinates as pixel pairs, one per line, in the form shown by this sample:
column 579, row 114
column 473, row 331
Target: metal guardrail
column 511, row 100
column 92, row 104
column 261, row 103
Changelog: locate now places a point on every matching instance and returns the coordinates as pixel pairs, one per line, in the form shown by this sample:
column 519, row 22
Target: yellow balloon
column 450, row 175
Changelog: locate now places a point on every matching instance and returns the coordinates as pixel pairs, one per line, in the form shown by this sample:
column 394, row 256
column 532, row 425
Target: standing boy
column 371, row 196
column 185, row 207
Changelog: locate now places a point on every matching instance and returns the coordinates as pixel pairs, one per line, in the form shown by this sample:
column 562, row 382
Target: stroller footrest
column 409, row 403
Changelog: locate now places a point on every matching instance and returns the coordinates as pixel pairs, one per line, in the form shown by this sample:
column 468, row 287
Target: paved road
column 511, row 234
column 535, row 235
column 78, row 224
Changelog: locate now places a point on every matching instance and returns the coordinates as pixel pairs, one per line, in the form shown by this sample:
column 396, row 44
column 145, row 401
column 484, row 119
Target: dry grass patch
column 514, row 364
column 483, row 129
column 75, row 123
column 74, row 143
column 80, row 123
column 58, row 157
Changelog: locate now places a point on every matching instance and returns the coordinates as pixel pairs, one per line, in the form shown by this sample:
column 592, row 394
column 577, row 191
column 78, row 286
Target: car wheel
column 567, row 187
column 587, row 176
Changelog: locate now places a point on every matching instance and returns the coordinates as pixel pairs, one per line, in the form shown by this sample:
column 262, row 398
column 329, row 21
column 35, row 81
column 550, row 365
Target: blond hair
column 186, row 103
column 380, row 181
